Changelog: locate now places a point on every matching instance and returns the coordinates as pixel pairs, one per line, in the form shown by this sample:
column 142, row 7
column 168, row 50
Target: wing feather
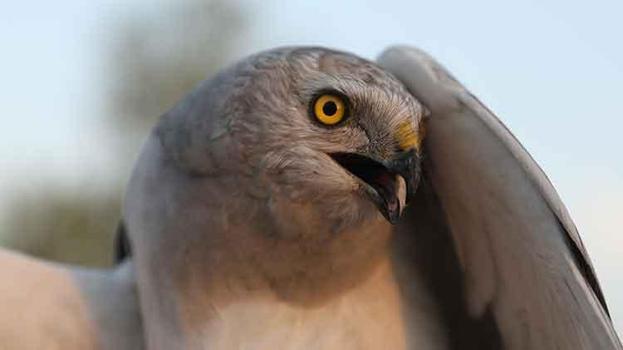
column 521, row 258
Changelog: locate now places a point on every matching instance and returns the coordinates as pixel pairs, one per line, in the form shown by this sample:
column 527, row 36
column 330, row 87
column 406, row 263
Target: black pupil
column 329, row 108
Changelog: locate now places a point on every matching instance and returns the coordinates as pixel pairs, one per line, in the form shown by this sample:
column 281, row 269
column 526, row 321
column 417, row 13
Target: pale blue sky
column 552, row 70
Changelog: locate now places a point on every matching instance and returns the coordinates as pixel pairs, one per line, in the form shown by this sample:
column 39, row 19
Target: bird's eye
column 329, row 109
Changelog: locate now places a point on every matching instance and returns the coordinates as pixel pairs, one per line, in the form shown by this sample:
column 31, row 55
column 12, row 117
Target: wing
column 501, row 251
column 53, row 306
column 41, row 304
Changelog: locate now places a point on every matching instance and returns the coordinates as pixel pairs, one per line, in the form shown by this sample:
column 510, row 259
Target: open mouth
column 382, row 181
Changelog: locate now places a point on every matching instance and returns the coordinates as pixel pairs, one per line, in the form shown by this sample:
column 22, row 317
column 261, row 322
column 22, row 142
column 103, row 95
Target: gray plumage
column 262, row 230
column 523, row 266
column 255, row 226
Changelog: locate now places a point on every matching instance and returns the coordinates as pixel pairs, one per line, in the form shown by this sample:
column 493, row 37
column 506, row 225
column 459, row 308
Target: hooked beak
column 380, row 178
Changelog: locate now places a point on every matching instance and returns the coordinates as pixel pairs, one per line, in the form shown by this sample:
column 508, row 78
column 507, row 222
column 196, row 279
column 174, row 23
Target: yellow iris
column 329, row 109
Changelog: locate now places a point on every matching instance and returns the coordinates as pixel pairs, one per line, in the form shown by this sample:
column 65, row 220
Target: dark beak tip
column 394, row 219
column 408, row 166
column 391, row 214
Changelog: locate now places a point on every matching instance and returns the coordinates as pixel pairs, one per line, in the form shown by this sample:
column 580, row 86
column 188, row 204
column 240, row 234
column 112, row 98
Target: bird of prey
column 305, row 198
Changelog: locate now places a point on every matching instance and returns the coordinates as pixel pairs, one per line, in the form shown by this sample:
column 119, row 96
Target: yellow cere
column 329, row 109
column 407, row 137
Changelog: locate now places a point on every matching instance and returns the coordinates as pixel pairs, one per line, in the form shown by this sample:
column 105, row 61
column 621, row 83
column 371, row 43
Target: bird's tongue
column 392, row 189
column 401, row 192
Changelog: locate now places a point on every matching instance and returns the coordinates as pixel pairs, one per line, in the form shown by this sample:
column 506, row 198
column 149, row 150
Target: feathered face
column 313, row 130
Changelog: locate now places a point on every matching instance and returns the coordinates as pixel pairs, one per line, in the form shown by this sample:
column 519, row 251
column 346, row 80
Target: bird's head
column 316, row 134
column 287, row 167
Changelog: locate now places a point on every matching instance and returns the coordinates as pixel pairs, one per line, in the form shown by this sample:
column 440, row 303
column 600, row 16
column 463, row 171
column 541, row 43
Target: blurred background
column 83, row 81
